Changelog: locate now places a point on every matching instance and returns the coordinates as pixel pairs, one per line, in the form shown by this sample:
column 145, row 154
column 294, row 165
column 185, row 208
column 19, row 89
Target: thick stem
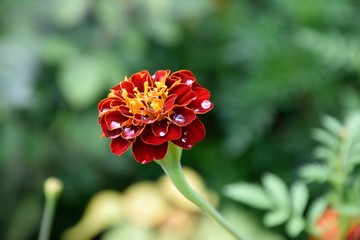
column 173, row 170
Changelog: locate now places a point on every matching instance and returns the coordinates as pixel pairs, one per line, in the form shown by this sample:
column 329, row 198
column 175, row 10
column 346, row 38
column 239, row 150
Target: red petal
column 184, row 94
column 144, row 118
column 104, row 106
column 182, row 116
column 145, row 153
column 114, row 120
column 129, row 87
column 194, row 132
column 201, row 104
column 132, row 131
column 125, row 111
column 138, row 79
column 119, row 145
column 169, row 103
column 159, row 75
column 172, row 132
column 160, row 128
column 186, row 76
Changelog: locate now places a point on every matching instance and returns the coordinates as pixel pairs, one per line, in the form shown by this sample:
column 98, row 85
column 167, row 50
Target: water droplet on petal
column 184, row 139
column 144, row 162
column 189, row 146
column 189, row 82
column 104, row 110
column 162, row 134
column 185, row 132
column 179, row 118
column 196, row 110
column 129, row 132
column 206, row 104
column 114, row 124
column 153, row 76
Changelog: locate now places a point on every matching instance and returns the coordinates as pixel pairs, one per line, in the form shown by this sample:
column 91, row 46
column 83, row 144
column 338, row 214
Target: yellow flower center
column 150, row 102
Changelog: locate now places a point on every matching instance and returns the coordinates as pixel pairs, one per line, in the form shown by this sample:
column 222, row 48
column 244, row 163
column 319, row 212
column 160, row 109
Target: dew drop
column 189, row 82
column 104, row 110
column 185, row 133
column 114, row 124
column 144, row 162
column 153, row 76
column 162, row 134
column 179, row 118
column 206, row 104
column 128, row 131
column 189, row 146
column 196, row 110
column 184, row 139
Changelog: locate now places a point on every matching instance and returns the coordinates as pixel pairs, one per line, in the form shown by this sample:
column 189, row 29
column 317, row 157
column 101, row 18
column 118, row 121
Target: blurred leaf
column 315, row 172
column 300, row 196
column 332, row 124
column 276, row 217
column 57, row 49
column 82, row 80
column 68, row 13
column 316, row 209
column 277, row 191
column 326, row 138
column 295, row 226
column 250, row 194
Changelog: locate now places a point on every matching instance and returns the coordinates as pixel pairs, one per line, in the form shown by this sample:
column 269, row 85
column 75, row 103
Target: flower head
column 148, row 111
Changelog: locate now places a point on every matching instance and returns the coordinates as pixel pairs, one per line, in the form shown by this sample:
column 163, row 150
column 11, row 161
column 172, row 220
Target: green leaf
column 275, row 218
column 294, row 226
column 315, row 172
column 332, row 124
column 316, row 209
column 326, row 138
column 277, row 191
column 299, row 196
column 250, row 194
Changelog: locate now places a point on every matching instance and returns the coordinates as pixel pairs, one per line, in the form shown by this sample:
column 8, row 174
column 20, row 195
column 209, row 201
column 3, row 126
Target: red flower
column 328, row 225
column 149, row 111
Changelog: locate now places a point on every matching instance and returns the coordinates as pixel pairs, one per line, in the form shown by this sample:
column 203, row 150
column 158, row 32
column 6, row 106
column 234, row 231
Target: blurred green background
column 274, row 67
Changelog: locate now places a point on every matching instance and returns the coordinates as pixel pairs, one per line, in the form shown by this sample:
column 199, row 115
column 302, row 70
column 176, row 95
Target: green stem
column 47, row 217
column 52, row 190
column 172, row 167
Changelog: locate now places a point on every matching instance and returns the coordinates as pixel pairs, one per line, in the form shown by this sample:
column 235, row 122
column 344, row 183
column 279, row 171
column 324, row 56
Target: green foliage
column 283, row 205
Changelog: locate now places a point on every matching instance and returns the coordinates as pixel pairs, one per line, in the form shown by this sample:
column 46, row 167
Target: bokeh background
column 274, row 67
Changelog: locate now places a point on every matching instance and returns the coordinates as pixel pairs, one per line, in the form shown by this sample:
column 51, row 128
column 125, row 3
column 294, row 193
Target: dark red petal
column 169, row 103
column 116, row 87
column 186, row 76
column 109, row 133
column 184, row 94
column 201, row 104
column 131, row 131
column 144, row 118
column 194, row 132
column 104, row 106
column 160, row 128
column 182, row 116
column 172, row 132
column 159, row 75
column 114, row 119
column 125, row 111
column 138, row 79
column 129, row 87
column 145, row 153
column 119, row 145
